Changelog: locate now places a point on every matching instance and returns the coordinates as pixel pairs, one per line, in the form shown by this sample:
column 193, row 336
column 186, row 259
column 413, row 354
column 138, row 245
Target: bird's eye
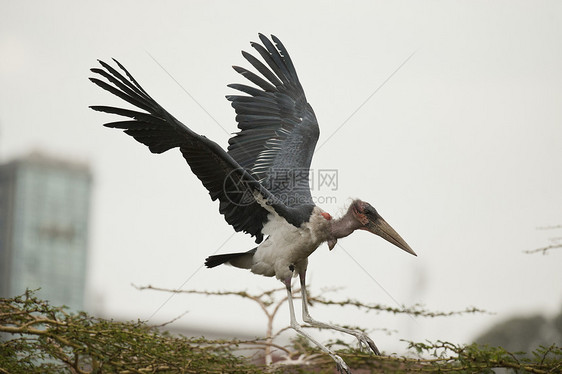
column 370, row 210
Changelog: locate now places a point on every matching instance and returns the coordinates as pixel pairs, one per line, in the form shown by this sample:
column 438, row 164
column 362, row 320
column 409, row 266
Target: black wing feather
column 279, row 64
column 262, row 69
column 223, row 177
column 255, row 79
column 290, row 67
column 122, row 91
column 278, row 127
column 278, row 131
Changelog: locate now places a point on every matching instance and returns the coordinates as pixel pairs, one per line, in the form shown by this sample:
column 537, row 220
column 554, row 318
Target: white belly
column 286, row 247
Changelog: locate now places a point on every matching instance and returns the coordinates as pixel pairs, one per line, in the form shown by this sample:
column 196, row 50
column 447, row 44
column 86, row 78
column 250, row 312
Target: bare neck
column 345, row 225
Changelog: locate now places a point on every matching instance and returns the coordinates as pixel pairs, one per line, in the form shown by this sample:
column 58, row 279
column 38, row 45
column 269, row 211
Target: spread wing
column 278, row 127
column 224, row 178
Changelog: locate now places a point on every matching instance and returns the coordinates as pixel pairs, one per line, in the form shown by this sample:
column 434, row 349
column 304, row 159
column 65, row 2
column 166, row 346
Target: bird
column 261, row 180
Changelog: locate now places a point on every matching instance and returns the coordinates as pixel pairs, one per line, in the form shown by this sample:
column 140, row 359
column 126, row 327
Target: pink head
column 362, row 216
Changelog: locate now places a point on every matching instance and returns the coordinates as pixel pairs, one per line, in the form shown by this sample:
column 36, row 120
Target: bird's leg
column 341, row 365
column 363, row 338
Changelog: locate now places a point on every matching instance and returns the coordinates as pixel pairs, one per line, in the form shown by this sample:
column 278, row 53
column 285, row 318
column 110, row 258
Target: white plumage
column 286, row 250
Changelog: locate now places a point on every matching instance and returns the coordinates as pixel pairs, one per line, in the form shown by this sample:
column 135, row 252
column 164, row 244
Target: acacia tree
column 40, row 338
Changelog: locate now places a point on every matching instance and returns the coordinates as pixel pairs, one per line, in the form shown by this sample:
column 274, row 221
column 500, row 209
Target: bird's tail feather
column 239, row 259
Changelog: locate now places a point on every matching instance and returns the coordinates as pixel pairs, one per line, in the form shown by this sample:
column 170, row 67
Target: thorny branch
column 46, row 339
column 544, row 250
column 557, row 244
column 270, row 308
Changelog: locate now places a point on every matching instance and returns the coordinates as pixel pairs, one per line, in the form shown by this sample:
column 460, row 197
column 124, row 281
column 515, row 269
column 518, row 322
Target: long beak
column 380, row 227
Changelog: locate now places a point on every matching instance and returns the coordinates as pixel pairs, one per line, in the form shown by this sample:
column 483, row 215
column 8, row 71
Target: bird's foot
column 302, row 359
column 341, row 365
column 366, row 342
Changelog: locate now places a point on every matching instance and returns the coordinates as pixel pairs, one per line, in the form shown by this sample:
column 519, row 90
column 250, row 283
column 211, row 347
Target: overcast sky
column 459, row 147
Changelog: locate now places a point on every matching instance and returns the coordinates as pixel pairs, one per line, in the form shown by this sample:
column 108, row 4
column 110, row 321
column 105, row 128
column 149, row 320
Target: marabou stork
column 277, row 137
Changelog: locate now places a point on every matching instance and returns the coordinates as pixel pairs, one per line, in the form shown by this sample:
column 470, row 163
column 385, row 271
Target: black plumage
column 279, row 130
column 278, row 133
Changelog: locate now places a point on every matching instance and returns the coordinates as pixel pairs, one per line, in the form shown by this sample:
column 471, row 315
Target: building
column 44, row 216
